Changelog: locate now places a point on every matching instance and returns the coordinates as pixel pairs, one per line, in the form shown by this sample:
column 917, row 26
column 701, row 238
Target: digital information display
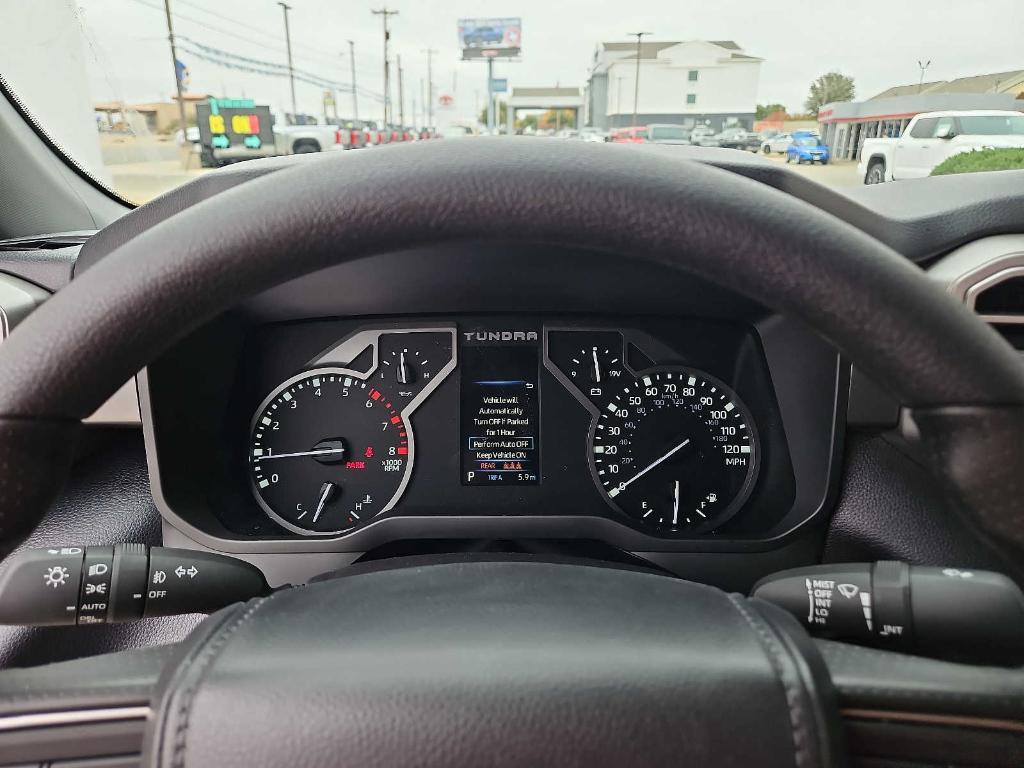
column 500, row 410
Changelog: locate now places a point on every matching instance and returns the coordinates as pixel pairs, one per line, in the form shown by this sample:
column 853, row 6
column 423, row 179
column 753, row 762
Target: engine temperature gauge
column 408, row 361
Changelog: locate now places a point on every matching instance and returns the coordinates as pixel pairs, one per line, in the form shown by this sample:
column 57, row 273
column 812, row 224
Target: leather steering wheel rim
column 964, row 383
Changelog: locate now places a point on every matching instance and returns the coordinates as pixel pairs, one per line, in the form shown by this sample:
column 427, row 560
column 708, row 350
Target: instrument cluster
column 668, row 428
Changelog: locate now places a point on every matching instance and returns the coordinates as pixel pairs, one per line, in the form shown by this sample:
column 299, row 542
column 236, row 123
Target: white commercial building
column 711, row 82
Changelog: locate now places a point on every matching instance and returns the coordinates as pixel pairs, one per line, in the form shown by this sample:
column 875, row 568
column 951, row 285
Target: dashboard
column 300, row 429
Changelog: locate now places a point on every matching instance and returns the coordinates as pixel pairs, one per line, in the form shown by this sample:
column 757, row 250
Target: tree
column 550, row 119
column 557, row 118
column 500, row 114
column 763, row 110
column 832, row 86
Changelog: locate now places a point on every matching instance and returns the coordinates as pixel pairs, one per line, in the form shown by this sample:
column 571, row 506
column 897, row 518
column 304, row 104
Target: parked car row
column 299, row 139
column 733, row 137
column 302, row 139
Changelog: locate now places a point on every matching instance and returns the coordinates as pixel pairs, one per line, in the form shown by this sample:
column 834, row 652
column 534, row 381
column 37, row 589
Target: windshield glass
column 992, row 125
column 146, row 95
column 806, row 141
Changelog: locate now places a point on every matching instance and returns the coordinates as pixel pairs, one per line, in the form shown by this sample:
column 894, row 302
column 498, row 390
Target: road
column 143, row 167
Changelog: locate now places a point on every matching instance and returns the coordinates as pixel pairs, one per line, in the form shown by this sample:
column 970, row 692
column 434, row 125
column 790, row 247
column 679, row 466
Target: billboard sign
column 490, row 38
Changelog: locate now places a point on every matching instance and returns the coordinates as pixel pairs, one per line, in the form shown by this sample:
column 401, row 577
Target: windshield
column 992, row 125
column 146, row 95
column 806, row 141
column 668, row 132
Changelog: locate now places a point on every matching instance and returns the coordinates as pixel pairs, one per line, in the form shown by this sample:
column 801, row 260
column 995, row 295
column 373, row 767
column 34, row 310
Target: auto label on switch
column 94, row 600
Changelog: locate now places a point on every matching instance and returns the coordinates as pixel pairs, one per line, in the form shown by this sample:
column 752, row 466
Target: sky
column 878, row 45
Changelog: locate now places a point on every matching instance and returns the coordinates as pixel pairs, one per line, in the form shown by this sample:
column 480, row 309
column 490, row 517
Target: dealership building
column 845, row 125
column 709, row 82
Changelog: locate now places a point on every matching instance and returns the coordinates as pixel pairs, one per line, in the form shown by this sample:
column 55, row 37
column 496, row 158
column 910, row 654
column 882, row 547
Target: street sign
column 499, row 85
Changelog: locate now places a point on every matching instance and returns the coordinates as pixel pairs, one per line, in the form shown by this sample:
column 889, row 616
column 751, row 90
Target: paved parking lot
column 837, row 174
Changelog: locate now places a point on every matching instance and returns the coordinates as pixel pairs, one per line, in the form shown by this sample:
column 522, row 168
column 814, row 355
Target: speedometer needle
column 653, row 464
column 321, row 452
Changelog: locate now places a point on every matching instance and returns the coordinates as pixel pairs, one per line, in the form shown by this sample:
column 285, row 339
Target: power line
column 272, row 68
column 268, row 68
column 305, row 52
column 223, row 58
column 233, row 21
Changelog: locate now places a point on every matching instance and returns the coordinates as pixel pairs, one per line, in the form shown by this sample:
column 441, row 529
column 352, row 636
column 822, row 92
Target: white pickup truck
column 297, row 139
column 931, row 137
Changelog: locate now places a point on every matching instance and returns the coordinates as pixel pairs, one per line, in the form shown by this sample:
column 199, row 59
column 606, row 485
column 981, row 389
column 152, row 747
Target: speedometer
column 676, row 449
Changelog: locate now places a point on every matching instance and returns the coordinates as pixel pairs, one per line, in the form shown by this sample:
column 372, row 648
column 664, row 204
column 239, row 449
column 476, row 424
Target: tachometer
column 327, row 452
column 675, row 449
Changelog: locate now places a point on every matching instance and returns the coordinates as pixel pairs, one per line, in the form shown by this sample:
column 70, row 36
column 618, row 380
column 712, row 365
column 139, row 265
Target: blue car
column 807, row 147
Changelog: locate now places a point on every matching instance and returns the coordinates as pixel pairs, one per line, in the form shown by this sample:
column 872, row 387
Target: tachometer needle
column 652, row 465
column 325, row 493
column 597, row 367
column 675, row 505
column 321, row 452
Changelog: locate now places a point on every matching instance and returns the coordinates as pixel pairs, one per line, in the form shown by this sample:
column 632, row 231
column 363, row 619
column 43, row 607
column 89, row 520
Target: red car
column 633, row 135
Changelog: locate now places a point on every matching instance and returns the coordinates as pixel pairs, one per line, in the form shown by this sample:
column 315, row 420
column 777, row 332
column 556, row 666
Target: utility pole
column 401, row 93
column 174, row 63
column 423, row 104
column 291, row 70
column 352, row 71
column 922, row 66
column 490, row 95
column 385, row 14
column 636, row 85
column 430, row 86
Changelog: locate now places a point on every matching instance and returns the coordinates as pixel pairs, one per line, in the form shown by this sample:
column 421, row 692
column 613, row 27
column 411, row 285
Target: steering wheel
column 508, row 663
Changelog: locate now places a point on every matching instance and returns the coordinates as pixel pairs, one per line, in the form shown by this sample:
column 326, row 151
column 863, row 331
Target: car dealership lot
column 144, row 167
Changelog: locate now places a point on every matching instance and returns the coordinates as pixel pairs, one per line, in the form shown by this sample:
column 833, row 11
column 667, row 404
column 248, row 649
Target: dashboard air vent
column 1002, row 298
